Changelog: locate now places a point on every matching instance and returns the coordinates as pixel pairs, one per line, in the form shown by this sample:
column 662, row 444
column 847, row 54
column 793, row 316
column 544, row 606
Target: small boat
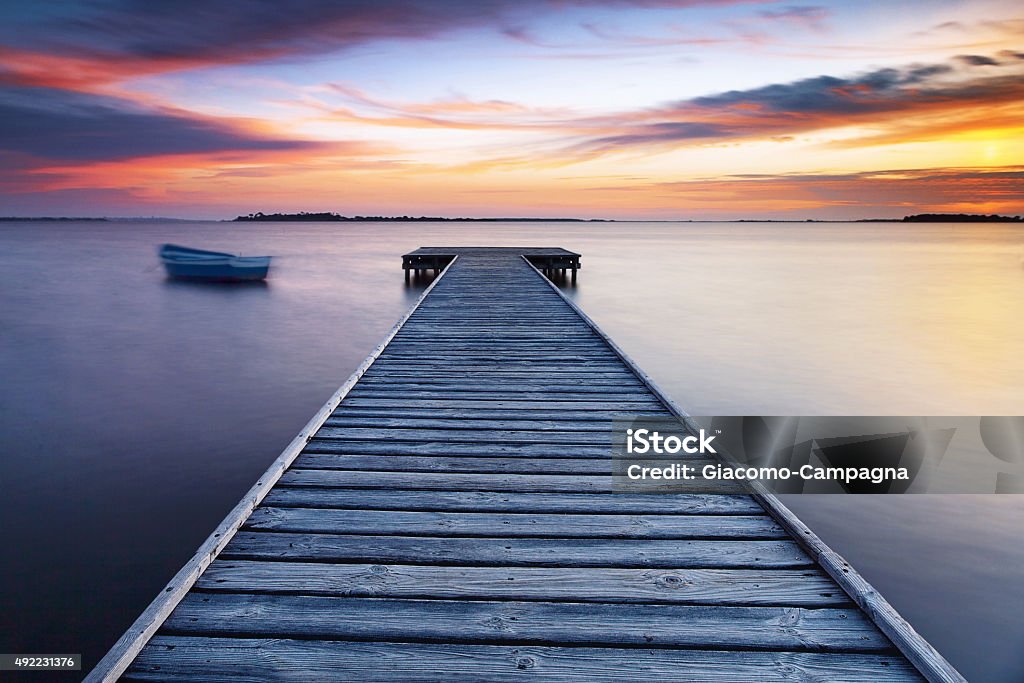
column 198, row 264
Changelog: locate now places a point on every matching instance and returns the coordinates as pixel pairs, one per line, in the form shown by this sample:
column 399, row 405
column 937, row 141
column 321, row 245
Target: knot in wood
column 525, row 662
column 671, row 581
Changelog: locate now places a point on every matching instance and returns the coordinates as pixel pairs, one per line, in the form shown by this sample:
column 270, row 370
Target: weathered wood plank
column 347, row 419
column 518, row 525
column 646, row 625
column 499, row 344
column 510, row 365
column 246, row 660
column 464, row 464
column 537, row 395
column 485, row 501
column 579, row 419
column 441, row 449
column 498, row 372
column 645, row 405
column 505, row 436
column 460, row 383
column 738, row 587
column 551, row 483
column 517, row 552
column 498, row 355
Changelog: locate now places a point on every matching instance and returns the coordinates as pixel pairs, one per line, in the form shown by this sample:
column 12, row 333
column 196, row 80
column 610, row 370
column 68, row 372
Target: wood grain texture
column 465, row 464
column 517, row 552
column 738, row 587
column 245, row 660
column 517, row 525
column 447, row 481
column 826, row 629
column 486, row 501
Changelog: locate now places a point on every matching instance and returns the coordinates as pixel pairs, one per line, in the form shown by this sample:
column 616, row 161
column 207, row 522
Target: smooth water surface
column 135, row 411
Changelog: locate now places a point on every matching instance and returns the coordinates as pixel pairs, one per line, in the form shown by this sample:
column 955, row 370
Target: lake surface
column 135, row 411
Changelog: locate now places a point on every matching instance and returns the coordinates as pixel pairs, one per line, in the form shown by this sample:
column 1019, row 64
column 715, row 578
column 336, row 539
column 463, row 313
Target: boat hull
column 219, row 272
column 193, row 264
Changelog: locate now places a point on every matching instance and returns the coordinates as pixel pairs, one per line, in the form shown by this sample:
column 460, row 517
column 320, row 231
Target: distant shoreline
column 49, row 218
column 320, row 218
column 327, row 216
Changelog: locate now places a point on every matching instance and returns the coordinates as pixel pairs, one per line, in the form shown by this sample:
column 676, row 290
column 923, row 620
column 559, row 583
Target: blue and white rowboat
column 197, row 264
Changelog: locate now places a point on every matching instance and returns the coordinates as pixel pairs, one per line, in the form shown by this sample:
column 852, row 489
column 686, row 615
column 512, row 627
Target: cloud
column 809, row 16
column 143, row 36
column 893, row 193
column 46, row 123
column 668, row 131
column 977, row 60
column 886, row 97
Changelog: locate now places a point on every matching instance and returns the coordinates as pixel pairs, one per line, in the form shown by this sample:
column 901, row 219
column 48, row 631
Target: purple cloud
column 63, row 125
column 250, row 30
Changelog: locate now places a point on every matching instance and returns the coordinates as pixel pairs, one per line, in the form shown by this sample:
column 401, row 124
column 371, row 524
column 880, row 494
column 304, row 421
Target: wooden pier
column 548, row 260
column 448, row 515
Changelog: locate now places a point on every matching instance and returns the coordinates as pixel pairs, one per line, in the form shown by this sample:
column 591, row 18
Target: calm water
column 134, row 411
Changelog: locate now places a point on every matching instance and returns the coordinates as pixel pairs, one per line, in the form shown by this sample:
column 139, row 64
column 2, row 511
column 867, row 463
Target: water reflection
column 562, row 279
column 215, row 285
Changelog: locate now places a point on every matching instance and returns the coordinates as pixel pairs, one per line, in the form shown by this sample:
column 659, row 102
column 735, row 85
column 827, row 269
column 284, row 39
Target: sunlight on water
column 136, row 411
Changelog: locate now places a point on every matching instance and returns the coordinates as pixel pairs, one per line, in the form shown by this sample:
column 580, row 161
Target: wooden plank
column 248, row 660
column 439, row 448
column 510, row 364
column 518, row 525
column 464, row 464
column 497, row 373
column 550, row 483
column 647, row 406
column 346, row 420
column 737, row 587
column 606, row 399
column 579, row 419
column 486, row 501
column 645, row 625
column 497, row 383
column 503, row 436
column 572, row 337
column 497, row 353
column 498, row 345
column 517, row 552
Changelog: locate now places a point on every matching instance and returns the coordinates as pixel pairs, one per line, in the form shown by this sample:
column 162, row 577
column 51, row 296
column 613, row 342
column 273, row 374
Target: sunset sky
column 659, row 109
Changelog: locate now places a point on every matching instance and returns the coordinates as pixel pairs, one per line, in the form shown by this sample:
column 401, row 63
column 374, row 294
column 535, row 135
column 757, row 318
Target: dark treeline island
column 960, row 218
column 331, row 216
